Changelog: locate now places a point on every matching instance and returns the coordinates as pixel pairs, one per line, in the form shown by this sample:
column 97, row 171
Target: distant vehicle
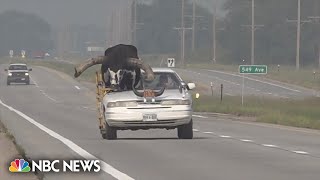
column 173, row 109
column 18, row 73
column 38, row 55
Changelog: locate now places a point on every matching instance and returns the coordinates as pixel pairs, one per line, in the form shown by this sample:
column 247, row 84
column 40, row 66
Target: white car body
column 170, row 110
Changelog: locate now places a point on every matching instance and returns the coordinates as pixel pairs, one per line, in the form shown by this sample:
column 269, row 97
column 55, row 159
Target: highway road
column 55, row 118
column 255, row 85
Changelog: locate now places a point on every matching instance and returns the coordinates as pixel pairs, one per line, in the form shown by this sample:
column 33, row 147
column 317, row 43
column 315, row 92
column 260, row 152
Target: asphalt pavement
column 55, row 118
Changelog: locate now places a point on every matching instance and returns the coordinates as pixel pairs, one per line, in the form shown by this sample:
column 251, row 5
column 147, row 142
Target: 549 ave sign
column 253, row 69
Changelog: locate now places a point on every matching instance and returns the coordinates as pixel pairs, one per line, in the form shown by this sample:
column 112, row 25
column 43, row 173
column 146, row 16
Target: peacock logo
column 19, row 165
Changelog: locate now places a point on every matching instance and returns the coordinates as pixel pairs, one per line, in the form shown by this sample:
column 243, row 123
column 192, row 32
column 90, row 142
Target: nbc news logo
column 20, row 165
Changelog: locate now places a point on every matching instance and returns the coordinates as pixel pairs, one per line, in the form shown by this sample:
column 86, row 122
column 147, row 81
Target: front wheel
column 8, row 83
column 186, row 131
column 110, row 133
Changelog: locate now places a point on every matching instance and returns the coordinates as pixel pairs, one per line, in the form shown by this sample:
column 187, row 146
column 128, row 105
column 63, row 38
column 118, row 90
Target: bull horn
column 159, row 93
column 144, row 66
column 136, row 92
column 78, row 70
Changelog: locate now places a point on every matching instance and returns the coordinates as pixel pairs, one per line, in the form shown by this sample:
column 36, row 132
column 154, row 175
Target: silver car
column 173, row 109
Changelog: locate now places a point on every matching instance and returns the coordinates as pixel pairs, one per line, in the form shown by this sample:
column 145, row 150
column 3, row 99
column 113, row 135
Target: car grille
column 18, row 74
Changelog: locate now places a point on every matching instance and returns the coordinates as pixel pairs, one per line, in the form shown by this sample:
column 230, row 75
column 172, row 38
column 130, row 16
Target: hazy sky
column 65, row 11
column 58, row 12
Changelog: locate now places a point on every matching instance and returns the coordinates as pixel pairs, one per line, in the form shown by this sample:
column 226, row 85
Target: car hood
column 130, row 96
column 23, row 71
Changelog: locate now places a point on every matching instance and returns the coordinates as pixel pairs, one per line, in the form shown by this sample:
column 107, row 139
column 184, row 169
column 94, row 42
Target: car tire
column 8, row 83
column 28, row 83
column 110, row 133
column 186, row 131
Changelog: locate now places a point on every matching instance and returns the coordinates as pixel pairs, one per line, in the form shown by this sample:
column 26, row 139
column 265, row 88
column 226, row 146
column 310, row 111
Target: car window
column 18, row 67
column 162, row 79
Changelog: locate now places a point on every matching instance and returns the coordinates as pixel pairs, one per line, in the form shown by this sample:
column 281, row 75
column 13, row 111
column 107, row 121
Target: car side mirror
column 30, row 69
column 191, row 86
column 5, row 69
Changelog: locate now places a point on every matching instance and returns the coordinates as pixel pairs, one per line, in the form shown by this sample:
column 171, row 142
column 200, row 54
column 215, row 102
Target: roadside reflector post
column 314, row 75
column 197, row 96
column 278, row 67
column 211, row 89
column 221, row 93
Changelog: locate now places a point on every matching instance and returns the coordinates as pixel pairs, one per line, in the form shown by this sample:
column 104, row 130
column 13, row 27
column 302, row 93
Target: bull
column 120, row 67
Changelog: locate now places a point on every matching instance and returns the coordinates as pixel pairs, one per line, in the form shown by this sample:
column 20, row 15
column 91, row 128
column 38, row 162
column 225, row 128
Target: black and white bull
column 121, row 67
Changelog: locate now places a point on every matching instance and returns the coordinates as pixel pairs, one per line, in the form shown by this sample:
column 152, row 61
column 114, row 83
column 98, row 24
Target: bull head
column 142, row 93
column 130, row 62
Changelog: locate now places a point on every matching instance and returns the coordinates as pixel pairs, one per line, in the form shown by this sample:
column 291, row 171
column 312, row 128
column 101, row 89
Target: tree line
column 275, row 42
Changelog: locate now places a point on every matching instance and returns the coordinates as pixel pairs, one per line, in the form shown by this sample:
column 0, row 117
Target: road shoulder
column 9, row 152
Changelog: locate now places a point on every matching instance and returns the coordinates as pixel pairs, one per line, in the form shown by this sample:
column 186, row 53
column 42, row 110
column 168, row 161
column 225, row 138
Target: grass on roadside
column 308, row 77
column 297, row 113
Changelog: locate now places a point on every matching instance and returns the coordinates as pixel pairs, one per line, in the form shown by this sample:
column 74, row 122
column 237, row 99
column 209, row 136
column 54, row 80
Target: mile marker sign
column 171, row 62
column 253, row 69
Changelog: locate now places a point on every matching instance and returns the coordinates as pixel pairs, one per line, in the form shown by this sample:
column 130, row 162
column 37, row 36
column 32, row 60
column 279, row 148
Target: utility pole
column 253, row 27
column 298, row 36
column 193, row 24
column 214, row 60
column 183, row 34
column 134, row 39
column 299, row 23
column 182, row 30
column 252, row 33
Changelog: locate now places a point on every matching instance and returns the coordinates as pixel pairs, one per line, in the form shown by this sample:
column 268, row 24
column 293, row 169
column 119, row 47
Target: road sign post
column 11, row 53
column 171, row 62
column 23, row 53
column 251, row 69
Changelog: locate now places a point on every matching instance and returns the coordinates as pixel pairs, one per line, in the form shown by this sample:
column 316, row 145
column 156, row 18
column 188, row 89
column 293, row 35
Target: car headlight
column 176, row 102
column 122, row 104
column 9, row 74
column 27, row 74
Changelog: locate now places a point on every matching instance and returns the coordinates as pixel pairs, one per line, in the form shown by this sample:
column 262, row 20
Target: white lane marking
column 34, row 82
column 200, row 116
column 270, row 93
column 52, row 99
column 300, row 152
column 85, row 107
column 105, row 167
column 272, row 84
column 77, row 87
column 224, row 136
column 246, row 140
column 228, row 94
column 208, row 132
column 257, row 90
column 270, row 145
column 195, row 130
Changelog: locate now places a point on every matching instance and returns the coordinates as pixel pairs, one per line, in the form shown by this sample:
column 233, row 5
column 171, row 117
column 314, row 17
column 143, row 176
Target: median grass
column 308, row 77
column 298, row 113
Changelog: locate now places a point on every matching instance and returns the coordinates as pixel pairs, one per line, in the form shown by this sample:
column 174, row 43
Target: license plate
column 149, row 117
column 22, row 79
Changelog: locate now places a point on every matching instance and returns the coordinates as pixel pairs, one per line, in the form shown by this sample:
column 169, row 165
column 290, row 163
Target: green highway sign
column 253, row 69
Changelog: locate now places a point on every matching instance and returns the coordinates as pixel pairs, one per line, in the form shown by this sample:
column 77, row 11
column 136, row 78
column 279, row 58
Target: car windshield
column 18, row 67
column 163, row 79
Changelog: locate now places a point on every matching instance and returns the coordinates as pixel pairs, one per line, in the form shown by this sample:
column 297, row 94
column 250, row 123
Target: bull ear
column 142, row 65
column 78, row 70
